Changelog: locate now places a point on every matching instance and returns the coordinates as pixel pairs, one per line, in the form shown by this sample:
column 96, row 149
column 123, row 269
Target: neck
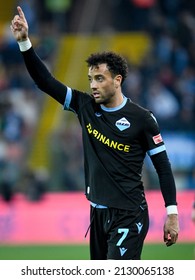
column 116, row 101
column 114, row 106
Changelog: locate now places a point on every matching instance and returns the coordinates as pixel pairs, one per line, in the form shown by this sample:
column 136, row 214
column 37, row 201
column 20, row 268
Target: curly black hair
column 116, row 64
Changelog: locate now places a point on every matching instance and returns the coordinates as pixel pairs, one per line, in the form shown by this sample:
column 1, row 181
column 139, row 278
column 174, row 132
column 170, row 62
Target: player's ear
column 117, row 81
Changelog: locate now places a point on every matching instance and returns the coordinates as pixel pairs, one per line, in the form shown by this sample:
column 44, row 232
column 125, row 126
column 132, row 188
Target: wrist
column 25, row 45
column 172, row 209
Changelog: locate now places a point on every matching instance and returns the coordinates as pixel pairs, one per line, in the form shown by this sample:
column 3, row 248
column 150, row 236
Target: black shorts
column 117, row 234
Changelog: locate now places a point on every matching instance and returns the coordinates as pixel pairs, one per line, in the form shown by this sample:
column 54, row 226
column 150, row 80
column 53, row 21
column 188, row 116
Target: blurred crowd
column 164, row 81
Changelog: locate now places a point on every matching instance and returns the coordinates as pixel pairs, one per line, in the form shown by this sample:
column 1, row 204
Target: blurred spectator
column 57, row 13
column 8, row 49
column 167, row 76
column 185, row 29
column 186, row 89
column 28, row 100
column 133, row 84
column 162, row 103
column 141, row 12
column 34, row 183
column 11, row 166
column 170, row 10
column 179, row 58
column 3, row 77
column 163, row 47
column 66, row 168
column 12, row 125
column 122, row 15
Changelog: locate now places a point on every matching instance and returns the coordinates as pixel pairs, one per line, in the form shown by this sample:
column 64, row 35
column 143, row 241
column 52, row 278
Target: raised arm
column 36, row 68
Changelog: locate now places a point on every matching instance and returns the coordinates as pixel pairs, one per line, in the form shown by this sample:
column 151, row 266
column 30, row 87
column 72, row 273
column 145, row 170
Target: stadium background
column 41, row 171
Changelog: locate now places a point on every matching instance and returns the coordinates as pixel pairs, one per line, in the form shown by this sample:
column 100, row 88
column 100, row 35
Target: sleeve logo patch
column 157, row 139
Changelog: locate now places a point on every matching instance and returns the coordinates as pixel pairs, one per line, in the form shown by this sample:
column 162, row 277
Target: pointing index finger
column 21, row 14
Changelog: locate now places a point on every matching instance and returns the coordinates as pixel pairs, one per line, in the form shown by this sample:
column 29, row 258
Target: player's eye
column 100, row 79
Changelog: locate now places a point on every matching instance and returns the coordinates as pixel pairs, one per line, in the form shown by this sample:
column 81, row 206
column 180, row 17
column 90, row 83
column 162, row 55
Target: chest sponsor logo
column 107, row 141
column 122, row 124
column 157, row 139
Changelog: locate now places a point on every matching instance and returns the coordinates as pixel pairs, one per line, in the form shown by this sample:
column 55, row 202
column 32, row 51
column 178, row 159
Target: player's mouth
column 96, row 94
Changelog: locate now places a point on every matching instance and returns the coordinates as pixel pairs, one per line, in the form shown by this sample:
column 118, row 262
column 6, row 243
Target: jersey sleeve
column 75, row 100
column 42, row 77
column 71, row 99
column 154, row 141
column 160, row 160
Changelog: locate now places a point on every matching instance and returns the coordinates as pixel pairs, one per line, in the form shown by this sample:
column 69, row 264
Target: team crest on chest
column 122, row 124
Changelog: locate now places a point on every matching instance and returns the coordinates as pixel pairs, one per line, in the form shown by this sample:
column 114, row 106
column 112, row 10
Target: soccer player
column 117, row 134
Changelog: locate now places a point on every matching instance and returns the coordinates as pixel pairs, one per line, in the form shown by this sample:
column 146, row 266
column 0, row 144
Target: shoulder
column 137, row 109
column 83, row 99
column 81, row 96
column 143, row 115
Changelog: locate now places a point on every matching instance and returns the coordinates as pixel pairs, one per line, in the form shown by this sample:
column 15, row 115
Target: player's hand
column 171, row 229
column 19, row 26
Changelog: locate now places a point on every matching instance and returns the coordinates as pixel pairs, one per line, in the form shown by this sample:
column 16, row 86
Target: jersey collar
column 115, row 108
